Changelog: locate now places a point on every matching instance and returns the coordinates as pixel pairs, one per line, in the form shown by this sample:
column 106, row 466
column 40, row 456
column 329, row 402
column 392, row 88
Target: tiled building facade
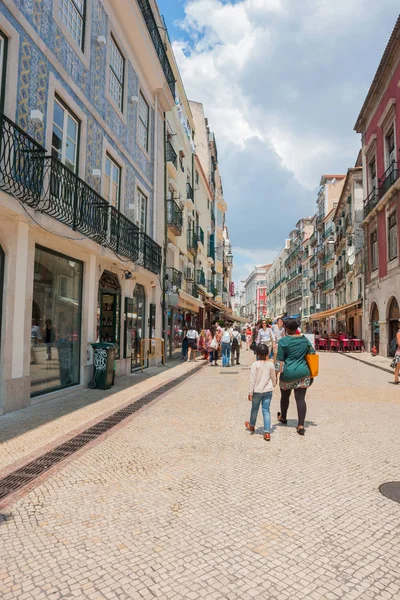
column 85, row 86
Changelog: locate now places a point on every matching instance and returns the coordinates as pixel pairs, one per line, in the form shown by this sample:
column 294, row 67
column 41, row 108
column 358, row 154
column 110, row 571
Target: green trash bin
column 103, row 366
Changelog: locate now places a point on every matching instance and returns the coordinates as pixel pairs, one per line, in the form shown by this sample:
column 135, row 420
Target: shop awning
column 234, row 318
column 188, row 302
column 213, row 304
column 333, row 311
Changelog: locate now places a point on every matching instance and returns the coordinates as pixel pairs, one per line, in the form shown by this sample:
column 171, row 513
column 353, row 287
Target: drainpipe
column 164, row 269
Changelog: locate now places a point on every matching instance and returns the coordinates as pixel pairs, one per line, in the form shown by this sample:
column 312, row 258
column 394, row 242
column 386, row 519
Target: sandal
column 300, row 430
column 283, row 421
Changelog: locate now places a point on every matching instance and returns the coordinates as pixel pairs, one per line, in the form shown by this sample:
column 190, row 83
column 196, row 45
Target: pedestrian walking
column 265, row 335
column 49, row 335
column 262, row 383
column 226, row 340
column 184, row 344
column 248, row 337
column 278, row 330
column 295, row 374
column 192, row 337
column 396, row 360
column 236, row 345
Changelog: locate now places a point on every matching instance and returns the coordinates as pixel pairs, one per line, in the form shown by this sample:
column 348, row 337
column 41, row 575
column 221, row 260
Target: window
column 112, row 182
column 142, row 211
column 56, row 321
column 143, row 130
column 374, row 250
column 373, row 183
column 116, row 75
column 392, row 229
column 72, row 14
column 65, row 136
column 390, row 148
column 3, row 63
column 197, row 178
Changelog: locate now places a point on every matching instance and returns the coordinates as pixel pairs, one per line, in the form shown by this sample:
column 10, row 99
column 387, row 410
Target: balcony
column 328, row 285
column 370, row 202
column 174, row 217
column 327, row 232
column 313, row 286
column 294, row 273
column 170, row 154
column 210, row 286
column 174, row 280
column 306, row 312
column 322, row 307
column 200, row 278
column 388, row 179
column 294, row 295
column 191, row 288
column 200, row 236
column 313, row 261
column 320, row 251
column 312, row 310
column 320, row 222
column 191, row 241
column 320, row 278
column 338, row 278
column 314, row 239
column 328, row 257
column 189, row 192
column 47, row 185
column 152, row 27
column 212, row 215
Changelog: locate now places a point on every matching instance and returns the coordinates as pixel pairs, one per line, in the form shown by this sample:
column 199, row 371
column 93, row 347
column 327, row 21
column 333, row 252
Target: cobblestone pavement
column 182, row 503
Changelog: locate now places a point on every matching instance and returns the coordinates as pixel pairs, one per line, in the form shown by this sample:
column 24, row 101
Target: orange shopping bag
column 313, row 364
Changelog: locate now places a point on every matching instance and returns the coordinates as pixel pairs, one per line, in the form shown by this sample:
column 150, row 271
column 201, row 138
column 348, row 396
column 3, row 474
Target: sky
column 282, row 83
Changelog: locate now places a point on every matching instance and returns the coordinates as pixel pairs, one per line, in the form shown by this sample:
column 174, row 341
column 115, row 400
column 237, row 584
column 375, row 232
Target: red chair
column 347, row 345
column 357, row 345
column 334, row 345
column 323, row 344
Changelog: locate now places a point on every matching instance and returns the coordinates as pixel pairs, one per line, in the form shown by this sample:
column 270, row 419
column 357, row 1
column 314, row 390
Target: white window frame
column 142, row 203
column 107, row 195
column 3, row 68
column 140, row 123
column 68, row 114
column 374, row 254
column 82, row 51
column 395, row 241
column 115, row 77
column 67, row 11
column 371, row 186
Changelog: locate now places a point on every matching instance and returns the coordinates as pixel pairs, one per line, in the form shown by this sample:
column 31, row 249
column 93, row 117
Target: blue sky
column 282, row 82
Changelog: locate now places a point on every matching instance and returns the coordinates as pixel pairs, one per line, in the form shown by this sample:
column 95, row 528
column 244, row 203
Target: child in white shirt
column 262, row 383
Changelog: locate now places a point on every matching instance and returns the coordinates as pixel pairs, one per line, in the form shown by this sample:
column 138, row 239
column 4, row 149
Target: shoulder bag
column 312, row 361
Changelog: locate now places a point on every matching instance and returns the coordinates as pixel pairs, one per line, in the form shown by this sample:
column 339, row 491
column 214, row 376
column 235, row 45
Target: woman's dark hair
column 262, row 352
column 291, row 326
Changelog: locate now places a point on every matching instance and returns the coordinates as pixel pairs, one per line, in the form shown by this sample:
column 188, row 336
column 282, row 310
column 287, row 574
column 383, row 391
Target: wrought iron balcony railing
column 211, row 249
column 320, row 278
column 191, row 288
column 174, row 279
column 370, row 201
column 212, row 215
column 200, row 236
column 328, row 257
column 210, row 286
column 201, row 278
column 294, row 295
column 313, row 285
column 348, row 222
column 191, row 240
column 388, row 179
column 170, row 154
column 174, row 217
column 338, row 278
column 312, row 310
column 189, row 192
column 47, row 185
column 152, row 27
column 322, row 307
column 313, row 238
column 328, row 232
column 328, row 285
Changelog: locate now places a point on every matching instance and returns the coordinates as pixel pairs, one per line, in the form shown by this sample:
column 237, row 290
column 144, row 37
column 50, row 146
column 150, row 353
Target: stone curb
column 367, row 363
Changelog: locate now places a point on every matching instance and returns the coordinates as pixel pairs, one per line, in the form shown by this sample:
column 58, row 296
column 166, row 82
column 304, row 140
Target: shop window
column 116, row 74
column 56, row 321
column 144, row 118
column 72, row 14
column 374, row 250
column 65, row 135
column 112, row 182
column 3, row 68
column 134, row 325
column 392, row 236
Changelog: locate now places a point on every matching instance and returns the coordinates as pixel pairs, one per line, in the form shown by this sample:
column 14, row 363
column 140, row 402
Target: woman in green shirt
column 295, row 374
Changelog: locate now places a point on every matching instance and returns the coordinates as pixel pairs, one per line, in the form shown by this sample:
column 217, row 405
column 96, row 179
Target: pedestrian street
column 180, row 502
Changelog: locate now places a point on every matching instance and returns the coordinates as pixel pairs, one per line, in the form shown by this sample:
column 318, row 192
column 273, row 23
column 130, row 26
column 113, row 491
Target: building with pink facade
column 379, row 125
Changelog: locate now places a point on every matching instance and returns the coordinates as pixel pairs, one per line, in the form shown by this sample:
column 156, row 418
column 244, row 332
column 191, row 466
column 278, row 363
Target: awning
column 188, row 302
column 213, row 304
column 234, row 318
column 333, row 311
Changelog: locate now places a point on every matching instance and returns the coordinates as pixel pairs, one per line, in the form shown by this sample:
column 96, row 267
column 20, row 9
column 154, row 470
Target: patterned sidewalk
column 182, row 503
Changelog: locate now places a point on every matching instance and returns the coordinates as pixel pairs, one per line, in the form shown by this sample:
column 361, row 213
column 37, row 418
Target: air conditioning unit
column 190, row 273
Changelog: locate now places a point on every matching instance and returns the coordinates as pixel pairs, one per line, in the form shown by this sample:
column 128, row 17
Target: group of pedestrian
column 220, row 340
column 289, row 365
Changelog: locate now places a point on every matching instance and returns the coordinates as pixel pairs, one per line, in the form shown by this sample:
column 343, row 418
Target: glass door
column 138, row 324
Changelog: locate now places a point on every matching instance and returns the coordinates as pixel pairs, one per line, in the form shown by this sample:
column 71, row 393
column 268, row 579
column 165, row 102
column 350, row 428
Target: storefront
column 375, row 327
column 182, row 312
column 109, row 310
column 56, row 321
column 393, row 320
column 135, row 313
column 2, row 261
